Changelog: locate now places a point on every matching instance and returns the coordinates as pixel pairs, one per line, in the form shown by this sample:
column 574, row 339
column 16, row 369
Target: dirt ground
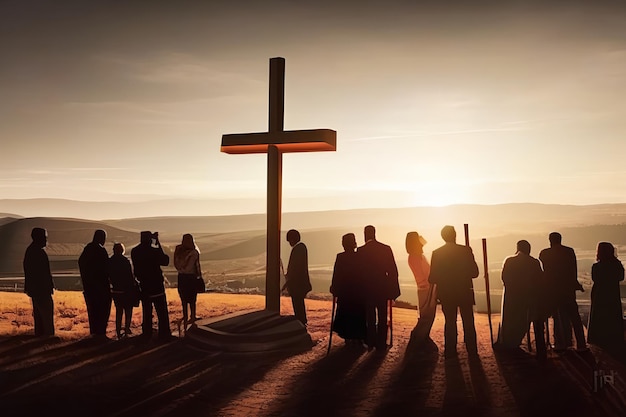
column 74, row 375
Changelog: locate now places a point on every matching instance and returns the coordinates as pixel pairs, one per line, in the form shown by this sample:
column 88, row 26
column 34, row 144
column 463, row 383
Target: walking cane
column 528, row 343
column 390, row 323
column 486, row 268
column 332, row 319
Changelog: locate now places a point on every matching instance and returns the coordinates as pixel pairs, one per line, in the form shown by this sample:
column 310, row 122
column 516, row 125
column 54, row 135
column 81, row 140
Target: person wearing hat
column 426, row 292
column 147, row 258
column 452, row 268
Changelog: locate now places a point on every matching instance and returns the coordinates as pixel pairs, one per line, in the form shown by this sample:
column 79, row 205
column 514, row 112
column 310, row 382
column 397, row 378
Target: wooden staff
column 467, row 243
column 486, row 268
column 390, row 323
column 332, row 320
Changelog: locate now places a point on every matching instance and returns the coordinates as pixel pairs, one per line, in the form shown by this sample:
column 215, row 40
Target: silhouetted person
column 380, row 274
column 148, row 257
column 93, row 265
column 124, row 289
column 561, row 275
column 297, row 280
column 523, row 287
column 187, row 263
column 606, row 328
column 347, row 286
column 452, row 268
column 426, row 292
column 38, row 284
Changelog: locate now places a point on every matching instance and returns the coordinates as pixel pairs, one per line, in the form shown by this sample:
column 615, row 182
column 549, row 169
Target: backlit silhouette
column 38, row 284
column 124, row 290
column 187, row 263
column 606, row 326
column 523, row 289
column 452, row 268
column 561, row 273
column 380, row 275
column 426, row 292
column 297, row 281
column 94, row 273
column 148, row 257
column 347, row 285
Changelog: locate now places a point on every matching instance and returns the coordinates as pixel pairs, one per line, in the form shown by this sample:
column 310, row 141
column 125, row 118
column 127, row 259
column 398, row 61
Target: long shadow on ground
column 544, row 388
column 333, row 385
column 131, row 377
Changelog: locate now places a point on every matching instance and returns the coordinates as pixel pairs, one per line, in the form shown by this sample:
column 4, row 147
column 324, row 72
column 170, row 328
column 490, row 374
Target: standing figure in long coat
column 380, row 274
column 426, row 292
column 523, row 289
column 94, row 273
column 297, row 276
column 606, row 328
column 452, row 268
column 347, row 286
column 38, row 284
column 561, row 275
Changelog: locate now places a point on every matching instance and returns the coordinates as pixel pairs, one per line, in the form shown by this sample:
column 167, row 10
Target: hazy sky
column 487, row 103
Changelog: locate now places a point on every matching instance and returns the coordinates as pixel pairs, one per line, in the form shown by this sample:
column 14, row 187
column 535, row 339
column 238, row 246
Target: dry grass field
column 74, row 375
column 71, row 314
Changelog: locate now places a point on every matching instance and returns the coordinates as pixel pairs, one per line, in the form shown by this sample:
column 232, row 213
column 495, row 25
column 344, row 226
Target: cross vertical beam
column 274, row 185
column 275, row 142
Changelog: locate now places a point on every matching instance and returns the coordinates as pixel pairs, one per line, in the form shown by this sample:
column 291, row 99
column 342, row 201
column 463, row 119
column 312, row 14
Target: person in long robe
column 426, row 292
column 522, row 277
column 606, row 327
column 347, row 286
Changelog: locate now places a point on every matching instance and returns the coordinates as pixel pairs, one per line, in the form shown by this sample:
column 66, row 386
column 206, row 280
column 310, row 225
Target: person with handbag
column 190, row 281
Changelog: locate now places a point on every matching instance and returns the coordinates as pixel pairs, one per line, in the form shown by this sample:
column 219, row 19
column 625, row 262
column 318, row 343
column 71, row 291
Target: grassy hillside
column 231, row 253
column 66, row 239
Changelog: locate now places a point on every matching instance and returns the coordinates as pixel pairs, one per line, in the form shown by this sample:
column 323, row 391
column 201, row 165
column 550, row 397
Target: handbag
column 200, row 285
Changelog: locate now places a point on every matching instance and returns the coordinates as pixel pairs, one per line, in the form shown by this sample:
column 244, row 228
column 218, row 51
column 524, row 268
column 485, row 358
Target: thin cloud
column 440, row 133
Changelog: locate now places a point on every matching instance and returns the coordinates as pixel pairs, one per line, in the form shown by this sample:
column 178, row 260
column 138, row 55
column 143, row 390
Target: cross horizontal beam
column 287, row 141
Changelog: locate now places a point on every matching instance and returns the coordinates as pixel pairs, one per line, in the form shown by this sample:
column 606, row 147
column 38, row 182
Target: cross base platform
column 250, row 332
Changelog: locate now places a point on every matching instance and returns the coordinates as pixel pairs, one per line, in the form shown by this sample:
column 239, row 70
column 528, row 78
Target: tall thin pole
column 487, row 294
column 467, row 243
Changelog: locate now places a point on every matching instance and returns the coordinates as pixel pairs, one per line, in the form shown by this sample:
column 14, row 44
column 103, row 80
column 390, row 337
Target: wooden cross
column 275, row 142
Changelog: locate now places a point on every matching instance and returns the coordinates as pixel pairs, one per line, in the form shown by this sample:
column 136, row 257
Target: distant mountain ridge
column 233, row 247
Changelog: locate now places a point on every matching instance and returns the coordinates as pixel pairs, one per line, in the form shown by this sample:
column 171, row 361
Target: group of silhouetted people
column 364, row 282
column 536, row 289
column 116, row 279
column 365, row 279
